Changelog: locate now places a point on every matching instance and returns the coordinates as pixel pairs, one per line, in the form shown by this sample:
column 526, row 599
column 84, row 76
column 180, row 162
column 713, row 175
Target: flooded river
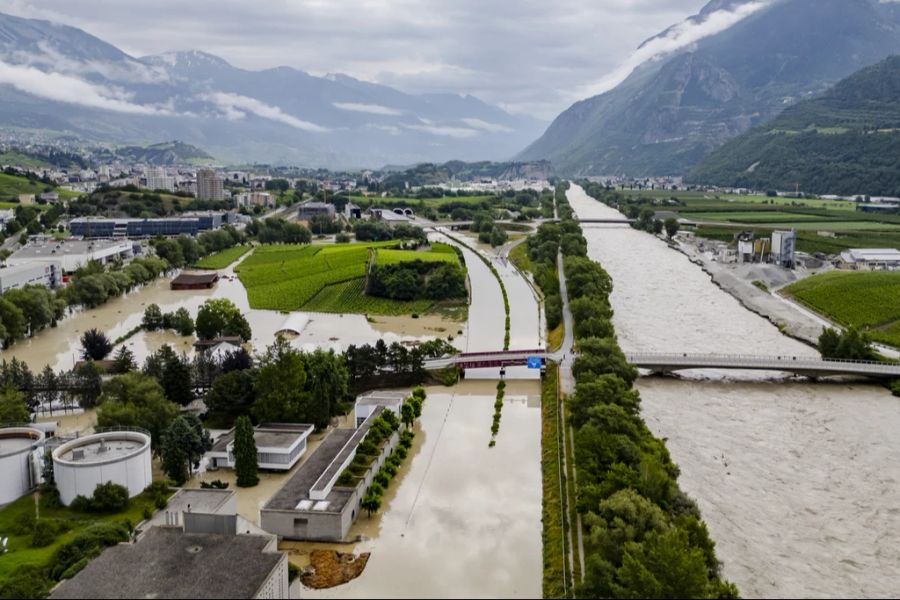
column 798, row 481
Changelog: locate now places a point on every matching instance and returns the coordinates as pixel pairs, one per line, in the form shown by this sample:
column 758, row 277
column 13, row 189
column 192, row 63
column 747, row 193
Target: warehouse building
column 310, row 209
column 69, row 255
column 47, row 274
column 870, row 259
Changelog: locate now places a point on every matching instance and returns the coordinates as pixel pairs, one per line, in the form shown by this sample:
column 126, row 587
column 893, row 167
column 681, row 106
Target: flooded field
column 796, row 480
column 59, row 347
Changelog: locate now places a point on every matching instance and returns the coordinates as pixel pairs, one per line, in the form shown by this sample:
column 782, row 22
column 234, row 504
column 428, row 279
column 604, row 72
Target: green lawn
column 20, row 551
column 326, row 278
column 12, row 185
column 868, row 300
column 222, row 259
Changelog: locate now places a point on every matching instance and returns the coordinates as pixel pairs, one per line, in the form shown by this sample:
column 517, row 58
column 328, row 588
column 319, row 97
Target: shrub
column 294, row 570
column 381, row 479
column 109, row 497
column 390, row 469
column 46, row 531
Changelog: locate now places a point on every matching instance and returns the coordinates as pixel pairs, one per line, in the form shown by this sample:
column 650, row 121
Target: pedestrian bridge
column 486, row 360
column 798, row 365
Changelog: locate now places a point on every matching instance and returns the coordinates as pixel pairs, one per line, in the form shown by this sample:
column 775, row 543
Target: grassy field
column 868, row 300
column 327, row 278
column 11, row 186
column 20, row 551
column 222, row 259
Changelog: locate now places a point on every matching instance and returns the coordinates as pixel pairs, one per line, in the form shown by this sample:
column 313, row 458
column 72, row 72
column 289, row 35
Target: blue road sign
column 534, row 362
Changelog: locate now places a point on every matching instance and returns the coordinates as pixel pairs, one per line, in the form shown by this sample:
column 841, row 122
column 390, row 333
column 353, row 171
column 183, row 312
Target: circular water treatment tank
column 21, row 449
column 121, row 457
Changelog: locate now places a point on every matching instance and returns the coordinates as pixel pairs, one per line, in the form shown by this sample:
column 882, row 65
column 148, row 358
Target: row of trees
column 366, row 364
column 185, row 250
column 644, row 536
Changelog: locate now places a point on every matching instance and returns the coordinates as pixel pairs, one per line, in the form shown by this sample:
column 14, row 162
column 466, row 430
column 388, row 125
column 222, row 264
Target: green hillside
column 166, row 153
column 846, row 141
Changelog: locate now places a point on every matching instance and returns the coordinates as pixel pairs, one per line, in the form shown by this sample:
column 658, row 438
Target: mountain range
column 846, row 141
column 675, row 108
column 62, row 80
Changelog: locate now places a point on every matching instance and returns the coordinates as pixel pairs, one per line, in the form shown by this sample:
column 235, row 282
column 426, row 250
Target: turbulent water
column 796, row 480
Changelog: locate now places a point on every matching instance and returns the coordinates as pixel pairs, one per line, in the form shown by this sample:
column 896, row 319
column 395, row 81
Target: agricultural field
column 327, row 278
column 867, row 300
column 220, row 260
column 11, row 186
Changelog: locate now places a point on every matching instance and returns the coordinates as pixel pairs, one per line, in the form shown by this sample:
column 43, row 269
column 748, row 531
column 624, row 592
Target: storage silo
column 120, row 456
column 21, row 454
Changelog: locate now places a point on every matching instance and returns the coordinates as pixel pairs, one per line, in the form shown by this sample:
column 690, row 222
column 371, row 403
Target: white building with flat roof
column 21, row 457
column 71, row 254
column 47, row 274
column 872, row 259
column 278, row 446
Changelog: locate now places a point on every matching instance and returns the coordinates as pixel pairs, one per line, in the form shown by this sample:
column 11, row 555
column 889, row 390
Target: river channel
column 797, row 481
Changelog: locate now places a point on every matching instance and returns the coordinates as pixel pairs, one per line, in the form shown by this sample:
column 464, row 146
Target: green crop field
column 222, row 259
column 326, row 278
column 868, row 300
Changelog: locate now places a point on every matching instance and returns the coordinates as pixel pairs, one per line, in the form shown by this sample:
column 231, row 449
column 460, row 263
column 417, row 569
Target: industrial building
column 21, row 458
column 870, row 259
column 47, row 274
column 69, row 255
column 120, row 456
column 278, row 446
column 310, row 505
column 210, row 185
column 779, row 249
column 784, row 246
column 310, row 209
column 185, row 562
column 188, row 224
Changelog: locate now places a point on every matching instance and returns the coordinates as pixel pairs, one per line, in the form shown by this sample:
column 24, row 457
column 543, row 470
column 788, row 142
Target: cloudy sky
column 528, row 56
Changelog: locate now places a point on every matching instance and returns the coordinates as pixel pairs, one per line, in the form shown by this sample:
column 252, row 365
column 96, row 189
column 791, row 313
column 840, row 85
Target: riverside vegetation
column 644, row 537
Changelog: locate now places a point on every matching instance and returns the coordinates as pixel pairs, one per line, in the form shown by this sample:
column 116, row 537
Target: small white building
column 278, row 446
column 122, row 457
column 21, row 458
column 293, row 326
column 871, row 259
column 369, row 402
column 220, row 351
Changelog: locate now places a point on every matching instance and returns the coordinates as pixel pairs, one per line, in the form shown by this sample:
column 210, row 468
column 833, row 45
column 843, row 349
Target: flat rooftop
column 56, row 249
column 322, row 465
column 269, row 435
column 381, row 398
column 101, row 450
column 168, row 563
column 208, row 501
column 297, row 487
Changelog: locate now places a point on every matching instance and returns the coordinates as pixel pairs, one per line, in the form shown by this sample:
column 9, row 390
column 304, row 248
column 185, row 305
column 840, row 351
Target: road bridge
column 798, row 365
column 486, row 360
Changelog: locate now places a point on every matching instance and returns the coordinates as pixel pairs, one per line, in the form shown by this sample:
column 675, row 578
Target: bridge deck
column 790, row 364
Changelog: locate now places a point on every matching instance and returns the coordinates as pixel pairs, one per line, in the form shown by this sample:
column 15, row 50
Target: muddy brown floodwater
column 465, row 520
column 798, row 481
column 59, row 347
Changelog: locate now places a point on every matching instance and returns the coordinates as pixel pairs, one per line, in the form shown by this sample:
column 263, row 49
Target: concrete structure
column 189, row 224
column 388, row 216
column 210, row 185
column 49, row 197
column 310, row 505
column 47, row 274
column 310, row 209
column 158, row 179
column 21, row 459
column 352, row 211
column 248, row 199
column 119, row 456
column 174, row 562
column 872, row 259
column 784, row 245
column 69, row 255
column 798, row 365
column 278, row 446
column 367, row 404
column 26, row 199
column 203, row 501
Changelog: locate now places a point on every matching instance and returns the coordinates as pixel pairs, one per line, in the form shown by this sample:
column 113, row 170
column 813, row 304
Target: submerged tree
column 95, row 345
